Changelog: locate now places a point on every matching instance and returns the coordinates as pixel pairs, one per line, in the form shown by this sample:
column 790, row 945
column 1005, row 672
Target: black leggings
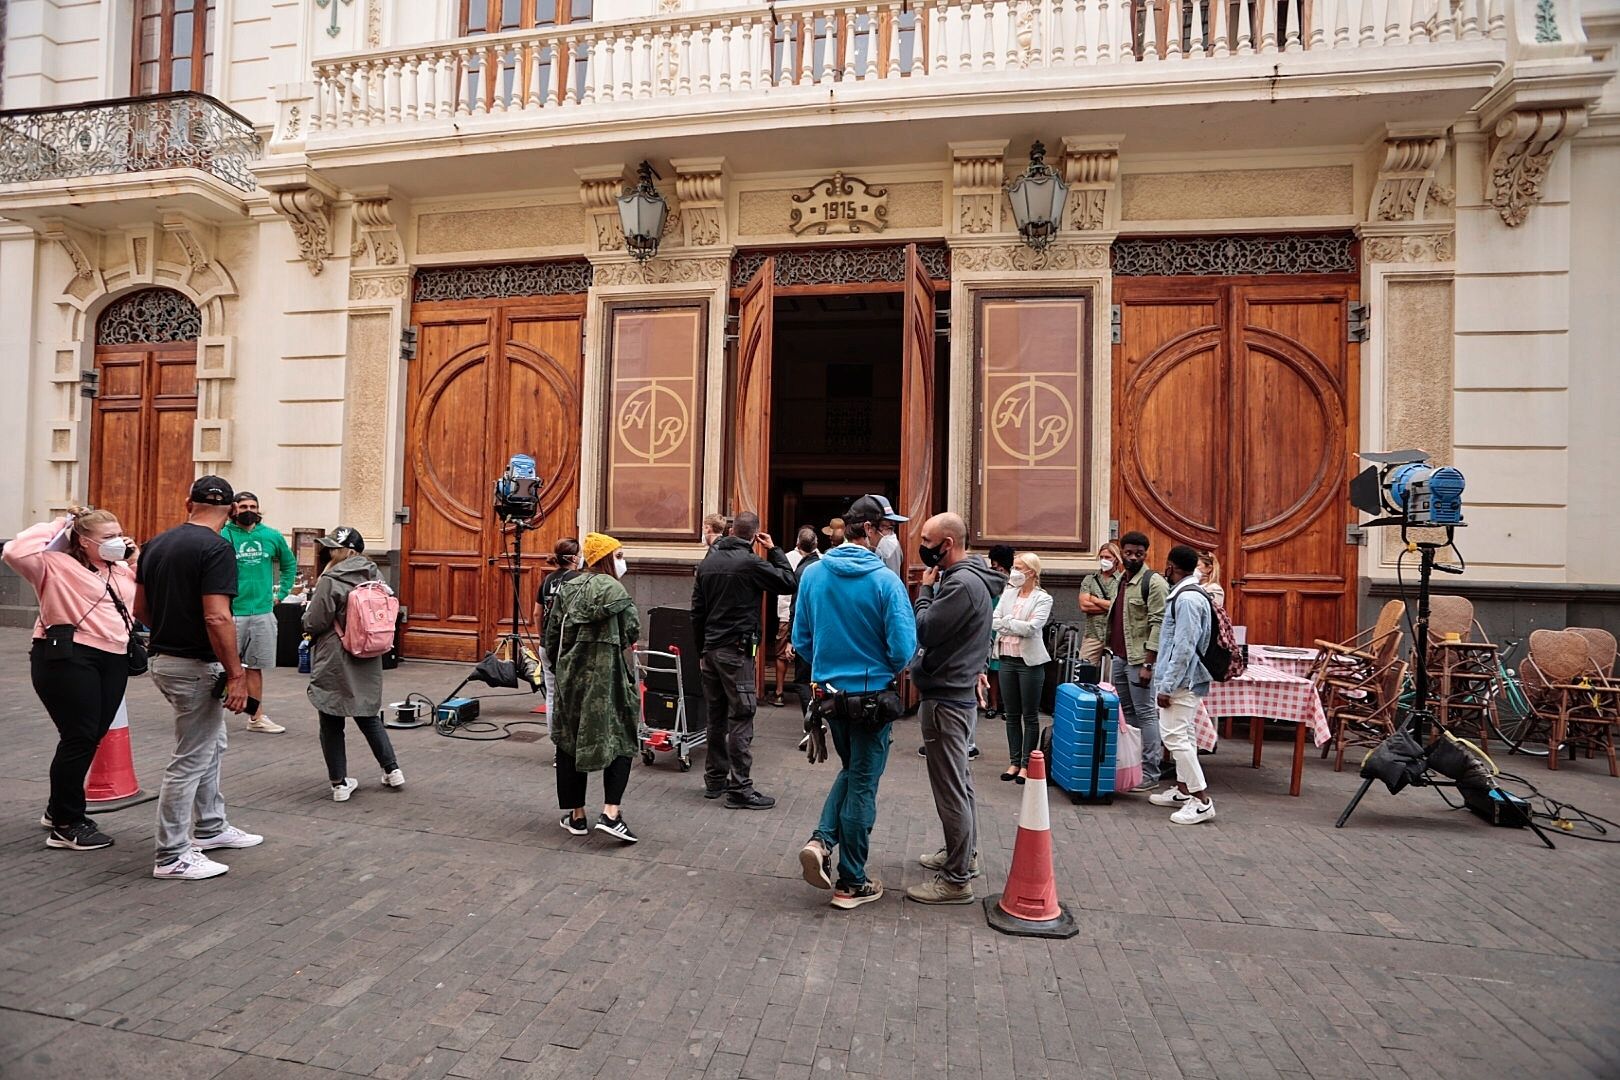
column 337, row 754
column 81, row 692
column 571, row 782
column 1021, row 698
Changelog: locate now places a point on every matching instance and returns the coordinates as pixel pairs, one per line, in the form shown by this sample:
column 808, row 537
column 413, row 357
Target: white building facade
column 352, row 254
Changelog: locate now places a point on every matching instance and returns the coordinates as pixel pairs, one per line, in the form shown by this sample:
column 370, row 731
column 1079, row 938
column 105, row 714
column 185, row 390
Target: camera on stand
column 517, row 491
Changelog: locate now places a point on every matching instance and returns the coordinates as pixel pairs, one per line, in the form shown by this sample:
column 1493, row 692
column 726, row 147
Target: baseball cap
column 343, row 537
column 873, row 508
column 212, row 491
column 243, row 496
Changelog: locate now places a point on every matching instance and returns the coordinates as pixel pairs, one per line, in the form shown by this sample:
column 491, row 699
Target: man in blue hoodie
column 853, row 625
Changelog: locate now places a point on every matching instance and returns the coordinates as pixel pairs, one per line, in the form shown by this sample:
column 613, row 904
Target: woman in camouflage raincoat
column 590, row 628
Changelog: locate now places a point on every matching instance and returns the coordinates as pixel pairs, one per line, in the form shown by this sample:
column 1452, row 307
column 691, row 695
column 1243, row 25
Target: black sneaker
column 922, row 751
column 574, row 825
column 848, row 896
column 749, row 800
column 81, row 837
column 973, row 751
column 713, row 792
column 617, row 828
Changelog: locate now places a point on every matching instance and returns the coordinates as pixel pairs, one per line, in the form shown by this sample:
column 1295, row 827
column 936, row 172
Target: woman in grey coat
column 342, row 685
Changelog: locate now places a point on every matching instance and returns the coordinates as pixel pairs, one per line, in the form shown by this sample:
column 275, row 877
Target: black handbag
column 138, row 659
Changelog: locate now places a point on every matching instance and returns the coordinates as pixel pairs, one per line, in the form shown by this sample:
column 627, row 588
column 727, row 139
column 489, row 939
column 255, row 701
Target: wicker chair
column 1450, row 615
column 1371, row 718
column 1570, row 695
column 1353, row 662
column 1595, row 711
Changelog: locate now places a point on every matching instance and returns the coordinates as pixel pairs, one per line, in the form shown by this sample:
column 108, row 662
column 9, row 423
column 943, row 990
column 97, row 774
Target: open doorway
column 836, row 402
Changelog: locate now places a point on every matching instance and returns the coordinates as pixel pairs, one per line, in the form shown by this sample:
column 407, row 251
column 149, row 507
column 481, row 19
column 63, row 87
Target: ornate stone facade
column 1522, row 148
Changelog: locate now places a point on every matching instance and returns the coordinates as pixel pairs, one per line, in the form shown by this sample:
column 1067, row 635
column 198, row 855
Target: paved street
column 452, row 929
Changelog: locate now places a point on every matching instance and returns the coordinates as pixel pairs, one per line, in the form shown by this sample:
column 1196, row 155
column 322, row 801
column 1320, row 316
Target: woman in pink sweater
column 80, row 657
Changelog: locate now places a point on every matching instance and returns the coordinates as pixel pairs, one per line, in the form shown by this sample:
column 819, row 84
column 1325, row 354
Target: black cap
column 212, row 491
column 343, row 537
column 872, row 508
column 243, row 496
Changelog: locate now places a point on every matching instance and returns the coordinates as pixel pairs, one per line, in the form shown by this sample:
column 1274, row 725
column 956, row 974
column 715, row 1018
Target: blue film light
column 1426, row 495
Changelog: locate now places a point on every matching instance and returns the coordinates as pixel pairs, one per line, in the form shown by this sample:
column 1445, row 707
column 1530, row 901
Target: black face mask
column 247, row 519
column 1134, row 563
column 931, row 556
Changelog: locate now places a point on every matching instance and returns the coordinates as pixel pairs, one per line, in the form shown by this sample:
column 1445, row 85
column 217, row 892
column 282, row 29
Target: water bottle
column 303, row 656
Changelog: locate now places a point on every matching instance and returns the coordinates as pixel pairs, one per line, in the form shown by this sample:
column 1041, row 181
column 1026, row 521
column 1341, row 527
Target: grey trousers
column 1140, row 707
column 189, row 798
column 947, row 730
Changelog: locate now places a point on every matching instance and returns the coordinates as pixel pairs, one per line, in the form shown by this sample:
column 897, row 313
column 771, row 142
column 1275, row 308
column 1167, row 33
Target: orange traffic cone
column 1029, row 907
column 111, row 784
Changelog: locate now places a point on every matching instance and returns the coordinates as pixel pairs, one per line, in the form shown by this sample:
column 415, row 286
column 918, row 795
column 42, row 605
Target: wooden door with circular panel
column 1235, row 428
column 491, row 379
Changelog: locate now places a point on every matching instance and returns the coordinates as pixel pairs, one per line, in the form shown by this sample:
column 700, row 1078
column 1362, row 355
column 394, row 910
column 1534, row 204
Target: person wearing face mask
column 566, row 556
column 954, row 616
column 1180, row 681
column 1208, row 577
column 79, row 662
column 590, row 627
column 342, row 685
column 1097, row 592
column 1021, row 614
column 265, row 571
column 1134, row 621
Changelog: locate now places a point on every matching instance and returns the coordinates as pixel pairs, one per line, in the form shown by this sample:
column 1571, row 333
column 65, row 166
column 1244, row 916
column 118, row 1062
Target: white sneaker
column 341, row 792
column 232, row 837
column 192, row 866
column 1169, row 797
column 1196, row 810
column 394, row 779
column 266, row 725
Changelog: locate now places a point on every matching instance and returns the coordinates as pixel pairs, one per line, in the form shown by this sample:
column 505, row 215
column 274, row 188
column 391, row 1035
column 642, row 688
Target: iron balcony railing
column 128, row 135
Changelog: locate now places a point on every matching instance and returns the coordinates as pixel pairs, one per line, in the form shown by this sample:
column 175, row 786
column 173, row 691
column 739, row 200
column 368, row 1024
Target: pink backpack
column 369, row 614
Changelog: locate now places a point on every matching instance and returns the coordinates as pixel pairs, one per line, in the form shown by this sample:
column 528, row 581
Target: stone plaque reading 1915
column 840, row 204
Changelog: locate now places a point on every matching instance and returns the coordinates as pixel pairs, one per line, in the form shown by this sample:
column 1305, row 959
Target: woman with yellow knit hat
column 590, row 626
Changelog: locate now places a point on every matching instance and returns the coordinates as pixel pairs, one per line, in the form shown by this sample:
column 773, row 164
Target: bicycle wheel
column 1516, row 722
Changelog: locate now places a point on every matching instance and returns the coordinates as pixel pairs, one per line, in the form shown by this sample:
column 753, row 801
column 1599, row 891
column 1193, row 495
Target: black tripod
column 490, row 669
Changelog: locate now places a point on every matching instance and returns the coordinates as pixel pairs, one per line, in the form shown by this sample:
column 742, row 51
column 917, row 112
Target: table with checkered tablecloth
column 1264, row 693
column 1298, row 662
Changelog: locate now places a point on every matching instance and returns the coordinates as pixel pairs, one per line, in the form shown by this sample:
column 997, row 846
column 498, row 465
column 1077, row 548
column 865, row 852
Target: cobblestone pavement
column 452, row 929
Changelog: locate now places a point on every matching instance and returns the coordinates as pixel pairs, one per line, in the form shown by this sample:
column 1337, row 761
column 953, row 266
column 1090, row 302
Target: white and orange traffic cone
column 1028, row 906
column 111, row 784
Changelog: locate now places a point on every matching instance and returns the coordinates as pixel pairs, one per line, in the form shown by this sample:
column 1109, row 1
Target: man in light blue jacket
column 1180, row 680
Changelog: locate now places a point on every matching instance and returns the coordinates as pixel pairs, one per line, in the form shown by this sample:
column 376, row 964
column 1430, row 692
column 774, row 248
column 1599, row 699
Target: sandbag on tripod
column 1397, row 761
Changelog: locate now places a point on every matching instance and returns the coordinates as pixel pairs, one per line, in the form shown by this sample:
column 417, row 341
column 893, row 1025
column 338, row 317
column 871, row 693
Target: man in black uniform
column 726, row 598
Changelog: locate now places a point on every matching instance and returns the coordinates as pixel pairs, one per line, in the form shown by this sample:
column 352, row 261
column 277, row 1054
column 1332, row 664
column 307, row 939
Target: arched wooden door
column 1235, row 412
column 142, row 424
column 492, row 379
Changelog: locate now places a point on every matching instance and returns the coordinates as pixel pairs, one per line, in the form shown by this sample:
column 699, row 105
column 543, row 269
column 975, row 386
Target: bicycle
column 1515, row 722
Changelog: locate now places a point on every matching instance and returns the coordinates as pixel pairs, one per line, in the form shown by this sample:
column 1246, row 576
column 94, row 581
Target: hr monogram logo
column 1032, row 420
column 653, row 422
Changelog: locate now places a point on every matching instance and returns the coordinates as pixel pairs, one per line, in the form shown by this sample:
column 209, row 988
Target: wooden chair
column 1359, row 658
column 1462, row 676
column 1450, row 615
column 1569, row 694
column 1600, row 648
column 1369, row 720
column 1594, row 713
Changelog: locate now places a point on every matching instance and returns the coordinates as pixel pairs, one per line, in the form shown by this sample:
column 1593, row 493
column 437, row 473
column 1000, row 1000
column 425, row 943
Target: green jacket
column 1103, row 586
column 1142, row 617
column 259, row 553
column 590, row 627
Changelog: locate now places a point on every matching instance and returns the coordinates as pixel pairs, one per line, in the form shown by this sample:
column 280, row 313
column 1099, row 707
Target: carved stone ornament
column 1522, row 149
column 840, row 204
column 700, row 192
column 977, row 172
column 1435, row 247
column 1022, row 258
column 662, row 271
column 374, row 232
column 373, row 286
column 978, row 214
column 1406, row 177
column 1092, row 174
column 310, row 216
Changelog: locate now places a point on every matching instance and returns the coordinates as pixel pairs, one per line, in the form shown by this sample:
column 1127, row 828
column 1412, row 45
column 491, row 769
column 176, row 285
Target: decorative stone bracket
column 376, row 240
column 1091, row 169
column 700, row 188
column 309, row 212
column 1522, row 148
column 599, row 189
column 978, row 170
column 1406, row 189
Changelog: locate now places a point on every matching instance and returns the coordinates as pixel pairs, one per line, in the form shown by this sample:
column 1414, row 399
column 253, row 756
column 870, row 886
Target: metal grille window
column 174, row 46
column 151, row 316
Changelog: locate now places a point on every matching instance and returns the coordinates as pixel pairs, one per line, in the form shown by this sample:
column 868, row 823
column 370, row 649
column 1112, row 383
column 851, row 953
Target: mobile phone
column 219, row 695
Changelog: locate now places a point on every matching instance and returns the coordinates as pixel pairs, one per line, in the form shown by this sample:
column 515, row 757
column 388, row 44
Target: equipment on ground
column 1083, row 740
column 665, row 716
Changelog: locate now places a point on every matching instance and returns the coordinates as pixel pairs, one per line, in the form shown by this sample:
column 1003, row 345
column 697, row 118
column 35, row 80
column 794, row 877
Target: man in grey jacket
column 953, row 624
column 1180, row 681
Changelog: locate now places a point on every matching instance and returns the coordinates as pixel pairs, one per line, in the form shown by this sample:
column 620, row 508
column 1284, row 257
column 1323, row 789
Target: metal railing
column 128, row 135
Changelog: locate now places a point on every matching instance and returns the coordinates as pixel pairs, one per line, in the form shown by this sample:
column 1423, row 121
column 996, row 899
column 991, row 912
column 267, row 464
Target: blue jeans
column 851, row 808
column 1140, row 705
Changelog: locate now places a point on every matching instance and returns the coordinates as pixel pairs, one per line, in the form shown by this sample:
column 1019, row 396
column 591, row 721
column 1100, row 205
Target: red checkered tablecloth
column 1290, row 662
column 1267, row 693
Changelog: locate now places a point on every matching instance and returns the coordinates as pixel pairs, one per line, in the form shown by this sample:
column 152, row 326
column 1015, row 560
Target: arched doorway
column 141, row 456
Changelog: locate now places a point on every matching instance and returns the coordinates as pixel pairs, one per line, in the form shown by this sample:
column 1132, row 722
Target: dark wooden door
column 141, row 442
column 751, row 415
column 492, row 379
column 1235, row 419
column 916, row 408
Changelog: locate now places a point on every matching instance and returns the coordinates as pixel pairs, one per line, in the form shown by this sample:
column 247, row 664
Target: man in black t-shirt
column 185, row 580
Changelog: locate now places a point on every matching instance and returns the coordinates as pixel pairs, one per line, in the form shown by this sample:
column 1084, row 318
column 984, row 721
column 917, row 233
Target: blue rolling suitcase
column 1084, row 737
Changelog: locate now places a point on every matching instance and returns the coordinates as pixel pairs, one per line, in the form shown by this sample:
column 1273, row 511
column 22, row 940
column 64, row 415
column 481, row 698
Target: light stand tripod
column 489, row 669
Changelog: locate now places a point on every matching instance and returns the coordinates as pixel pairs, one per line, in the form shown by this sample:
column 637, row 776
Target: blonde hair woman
column 1097, row 592
column 1020, row 615
column 1209, row 577
column 80, row 658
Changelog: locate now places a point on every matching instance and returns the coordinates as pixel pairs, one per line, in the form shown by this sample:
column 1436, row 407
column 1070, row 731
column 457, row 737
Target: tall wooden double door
column 141, row 434
column 1235, row 424
column 492, row 378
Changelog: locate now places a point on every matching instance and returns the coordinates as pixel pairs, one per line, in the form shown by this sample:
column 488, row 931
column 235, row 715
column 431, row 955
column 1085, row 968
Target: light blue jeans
column 190, row 798
column 851, row 808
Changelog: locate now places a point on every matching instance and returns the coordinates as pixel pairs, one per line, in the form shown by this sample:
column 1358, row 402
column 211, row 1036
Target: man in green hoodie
column 265, row 571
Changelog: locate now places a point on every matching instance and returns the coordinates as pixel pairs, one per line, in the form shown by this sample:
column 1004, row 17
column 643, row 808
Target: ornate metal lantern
column 1037, row 198
column 642, row 213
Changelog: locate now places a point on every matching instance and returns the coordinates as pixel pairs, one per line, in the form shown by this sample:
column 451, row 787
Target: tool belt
column 868, row 711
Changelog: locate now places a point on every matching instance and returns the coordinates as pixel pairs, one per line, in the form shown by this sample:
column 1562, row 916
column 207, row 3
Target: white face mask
column 1107, row 565
column 113, row 549
column 619, row 566
column 1198, row 575
column 1016, row 579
